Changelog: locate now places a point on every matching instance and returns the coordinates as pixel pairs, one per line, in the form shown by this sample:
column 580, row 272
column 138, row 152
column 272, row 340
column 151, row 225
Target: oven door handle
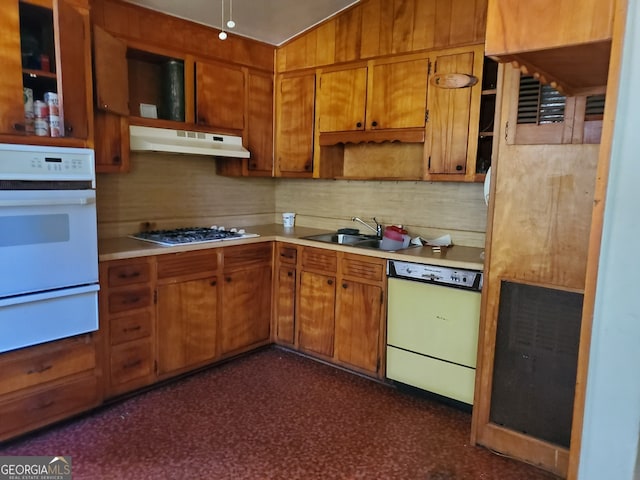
column 36, row 297
column 46, row 202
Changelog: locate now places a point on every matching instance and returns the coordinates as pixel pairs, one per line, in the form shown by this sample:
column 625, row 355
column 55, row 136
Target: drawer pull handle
column 131, row 300
column 40, row 369
column 129, row 275
column 46, row 404
column 133, row 364
column 131, row 329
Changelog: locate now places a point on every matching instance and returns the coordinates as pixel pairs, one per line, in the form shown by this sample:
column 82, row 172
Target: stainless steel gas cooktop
column 179, row 236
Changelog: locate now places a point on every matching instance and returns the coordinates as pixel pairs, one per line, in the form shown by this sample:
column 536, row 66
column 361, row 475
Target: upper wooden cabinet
column 382, row 95
column 566, row 43
column 220, row 93
column 46, row 50
column 259, row 125
column 295, row 100
column 453, row 115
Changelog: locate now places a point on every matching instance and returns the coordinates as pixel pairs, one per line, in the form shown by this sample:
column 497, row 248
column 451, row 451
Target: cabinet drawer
column 318, row 259
column 247, row 255
column 130, row 299
column 363, row 269
column 287, row 255
column 129, row 327
column 48, row 405
column 127, row 274
column 131, row 361
column 187, row 264
column 35, row 365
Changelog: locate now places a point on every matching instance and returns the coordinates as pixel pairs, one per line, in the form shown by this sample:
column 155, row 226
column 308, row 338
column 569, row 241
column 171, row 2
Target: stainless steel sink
column 359, row 241
column 341, row 238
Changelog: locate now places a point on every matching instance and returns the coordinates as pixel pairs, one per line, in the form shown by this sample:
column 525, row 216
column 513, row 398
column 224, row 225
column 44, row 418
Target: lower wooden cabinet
column 360, row 313
column 46, row 383
column 246, row 297
column 186, row 310
column 340, row 309
column 127, row 320
column 284, row 297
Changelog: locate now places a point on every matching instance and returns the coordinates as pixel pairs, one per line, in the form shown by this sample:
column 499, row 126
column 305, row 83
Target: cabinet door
column 111, row 73
column 246, row 308
column 341, row 100
column 111, row 142
column 219, row 96
column 449, row 117
column 260, row 124
column 359, row 312
column 295, row 123
column 398, row 94
column 12, row 111
column 75, row 71
column 186, row 323
column 316, row 313
column 285, row 304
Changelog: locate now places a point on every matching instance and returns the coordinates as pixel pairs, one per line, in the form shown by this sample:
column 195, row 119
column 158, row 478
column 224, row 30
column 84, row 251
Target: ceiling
column 270, row 21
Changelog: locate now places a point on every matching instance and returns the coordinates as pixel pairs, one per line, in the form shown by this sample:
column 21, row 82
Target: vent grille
column 539, row 104
column 595, row 107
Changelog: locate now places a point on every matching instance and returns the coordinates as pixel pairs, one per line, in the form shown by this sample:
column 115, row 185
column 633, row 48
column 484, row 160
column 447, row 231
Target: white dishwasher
column 432, row 328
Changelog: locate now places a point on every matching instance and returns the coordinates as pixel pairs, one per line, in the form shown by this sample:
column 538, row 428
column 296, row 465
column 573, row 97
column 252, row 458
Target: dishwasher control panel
column 455, row 277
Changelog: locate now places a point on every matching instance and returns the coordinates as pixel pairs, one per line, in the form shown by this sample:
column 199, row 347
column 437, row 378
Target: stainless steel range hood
column 152, row 139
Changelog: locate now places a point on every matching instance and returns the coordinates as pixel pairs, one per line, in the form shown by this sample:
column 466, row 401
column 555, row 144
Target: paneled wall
column 178, row 190
column 425, row 209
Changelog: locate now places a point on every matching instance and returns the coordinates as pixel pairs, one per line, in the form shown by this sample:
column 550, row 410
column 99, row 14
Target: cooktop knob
column 233, row 230
column 242, row 231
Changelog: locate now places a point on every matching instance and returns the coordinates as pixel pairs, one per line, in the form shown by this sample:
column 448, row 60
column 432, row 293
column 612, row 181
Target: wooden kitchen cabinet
column 565, row 44
column 316, row 301
column 187, row 310
column 452, row 129
column 46, row 383
column 259, row 125
column 220, row 94
column 246, row 297
column 295, row 117
column 382, row 94
column 286, row 275
column 55, row 46
column 360, row 313
column 127, row 320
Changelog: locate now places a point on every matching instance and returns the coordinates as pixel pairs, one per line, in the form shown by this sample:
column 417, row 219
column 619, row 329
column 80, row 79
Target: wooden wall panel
column 427, row 209
column 144, row 28
column 376, row 28
column 347, row 36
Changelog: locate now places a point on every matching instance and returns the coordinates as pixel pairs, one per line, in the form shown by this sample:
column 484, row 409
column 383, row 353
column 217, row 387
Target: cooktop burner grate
column 180, row 236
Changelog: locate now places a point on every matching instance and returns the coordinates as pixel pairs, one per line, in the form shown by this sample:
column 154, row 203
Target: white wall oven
column 48, row 244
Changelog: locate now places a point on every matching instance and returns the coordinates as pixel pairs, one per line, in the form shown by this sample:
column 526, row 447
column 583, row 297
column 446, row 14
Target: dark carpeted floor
column 273, row 415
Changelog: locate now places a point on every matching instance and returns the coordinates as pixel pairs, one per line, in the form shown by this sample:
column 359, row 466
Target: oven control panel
column 457, row 277
column 22, row 162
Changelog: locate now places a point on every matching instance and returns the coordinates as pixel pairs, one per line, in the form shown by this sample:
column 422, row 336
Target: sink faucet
column 377, row 228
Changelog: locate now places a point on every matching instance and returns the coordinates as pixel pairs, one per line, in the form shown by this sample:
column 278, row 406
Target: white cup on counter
column 288, row 219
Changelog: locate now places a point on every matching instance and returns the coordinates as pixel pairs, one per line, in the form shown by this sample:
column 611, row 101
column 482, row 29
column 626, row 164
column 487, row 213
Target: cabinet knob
column 20, row 127
column 289, row 274
column 228, row 279
column 116, row 160
column 344, row 285
column 307, row 166
column 458, row 167
column 213, row 283
column 374, row 124
column 329, row 282
column 359, row 124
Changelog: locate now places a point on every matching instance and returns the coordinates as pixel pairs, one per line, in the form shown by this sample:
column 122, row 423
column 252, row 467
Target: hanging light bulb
column 230, row 22
column 222, row 35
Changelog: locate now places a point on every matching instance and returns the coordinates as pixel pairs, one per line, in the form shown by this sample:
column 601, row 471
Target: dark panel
column 535, row 361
